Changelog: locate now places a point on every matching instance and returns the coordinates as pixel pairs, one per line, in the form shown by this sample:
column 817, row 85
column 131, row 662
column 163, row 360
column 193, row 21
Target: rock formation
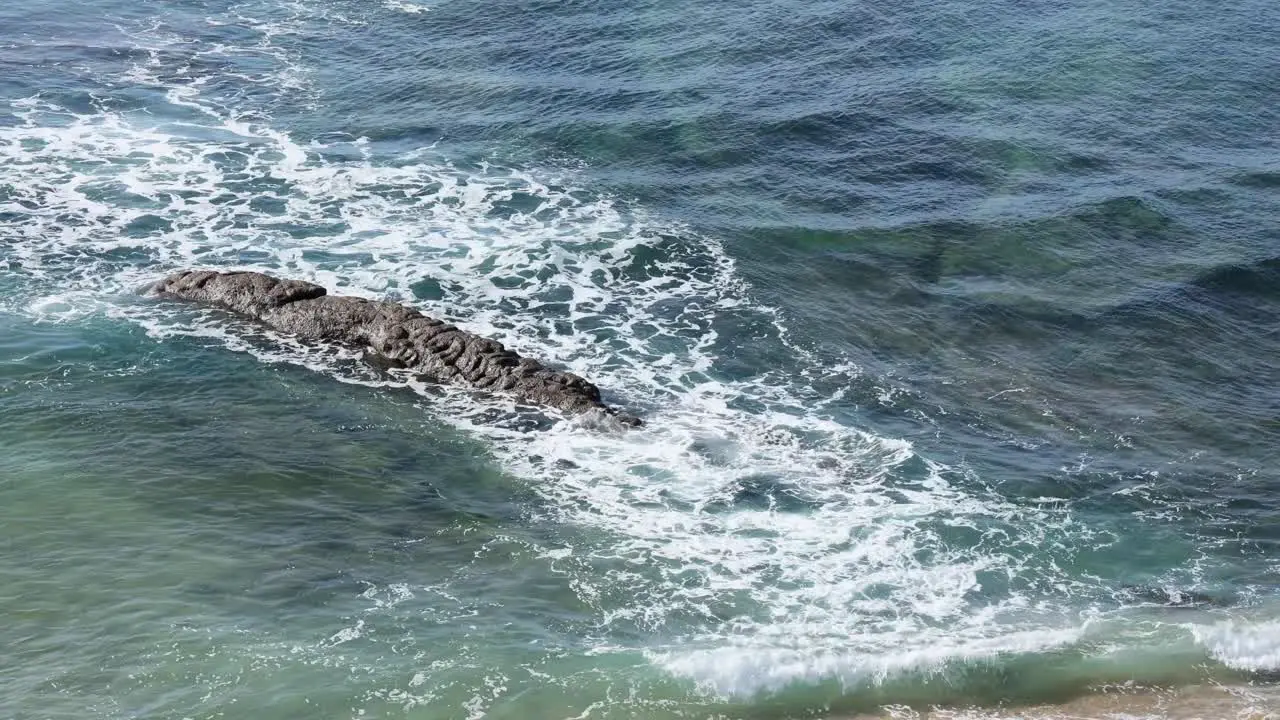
column 392, row 335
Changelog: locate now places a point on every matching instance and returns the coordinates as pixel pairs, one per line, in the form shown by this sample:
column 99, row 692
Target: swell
column 755, row 540
column 108, row 200
column 1113, row 296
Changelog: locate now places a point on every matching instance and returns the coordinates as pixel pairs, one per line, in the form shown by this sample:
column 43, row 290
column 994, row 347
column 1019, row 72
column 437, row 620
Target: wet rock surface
column 392, row 336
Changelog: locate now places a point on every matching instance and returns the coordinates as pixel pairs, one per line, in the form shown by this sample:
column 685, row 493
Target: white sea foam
column 738, row 671
column 405, row 7
column 764, row 540
column 1243, row 645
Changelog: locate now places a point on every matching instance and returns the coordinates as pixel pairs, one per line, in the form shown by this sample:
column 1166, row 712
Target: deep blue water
column 956, row 327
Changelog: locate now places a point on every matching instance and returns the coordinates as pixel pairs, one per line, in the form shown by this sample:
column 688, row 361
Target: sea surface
column 955, row 325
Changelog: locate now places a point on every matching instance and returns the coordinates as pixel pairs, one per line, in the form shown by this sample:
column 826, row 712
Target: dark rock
column 1173, row 598
column 391, row 336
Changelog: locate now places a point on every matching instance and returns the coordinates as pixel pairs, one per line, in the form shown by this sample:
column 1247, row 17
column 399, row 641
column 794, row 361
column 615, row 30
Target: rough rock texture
column 392, row 335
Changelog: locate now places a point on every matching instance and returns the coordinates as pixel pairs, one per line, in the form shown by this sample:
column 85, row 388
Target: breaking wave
column 749, row 538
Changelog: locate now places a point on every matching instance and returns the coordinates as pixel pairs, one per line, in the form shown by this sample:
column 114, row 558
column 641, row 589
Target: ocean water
column 956, row 327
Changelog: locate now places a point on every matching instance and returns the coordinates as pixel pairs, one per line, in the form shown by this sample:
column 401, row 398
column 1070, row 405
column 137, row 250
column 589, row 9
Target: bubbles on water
column 406, row 7
column 1242, row 645
column 746, row 672
column 741, row 521
column 746, row 539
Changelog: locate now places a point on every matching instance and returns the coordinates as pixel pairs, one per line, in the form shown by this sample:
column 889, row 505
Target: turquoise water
column 954, row 326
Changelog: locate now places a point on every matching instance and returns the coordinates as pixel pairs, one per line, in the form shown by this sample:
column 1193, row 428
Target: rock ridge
column 392, row 336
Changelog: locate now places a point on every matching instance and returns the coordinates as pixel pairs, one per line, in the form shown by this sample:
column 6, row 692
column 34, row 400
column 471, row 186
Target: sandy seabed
column 1200, row 702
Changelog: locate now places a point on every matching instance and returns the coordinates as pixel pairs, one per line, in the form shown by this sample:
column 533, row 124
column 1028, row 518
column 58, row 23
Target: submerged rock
column 1172, row 597
column 391, row 335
